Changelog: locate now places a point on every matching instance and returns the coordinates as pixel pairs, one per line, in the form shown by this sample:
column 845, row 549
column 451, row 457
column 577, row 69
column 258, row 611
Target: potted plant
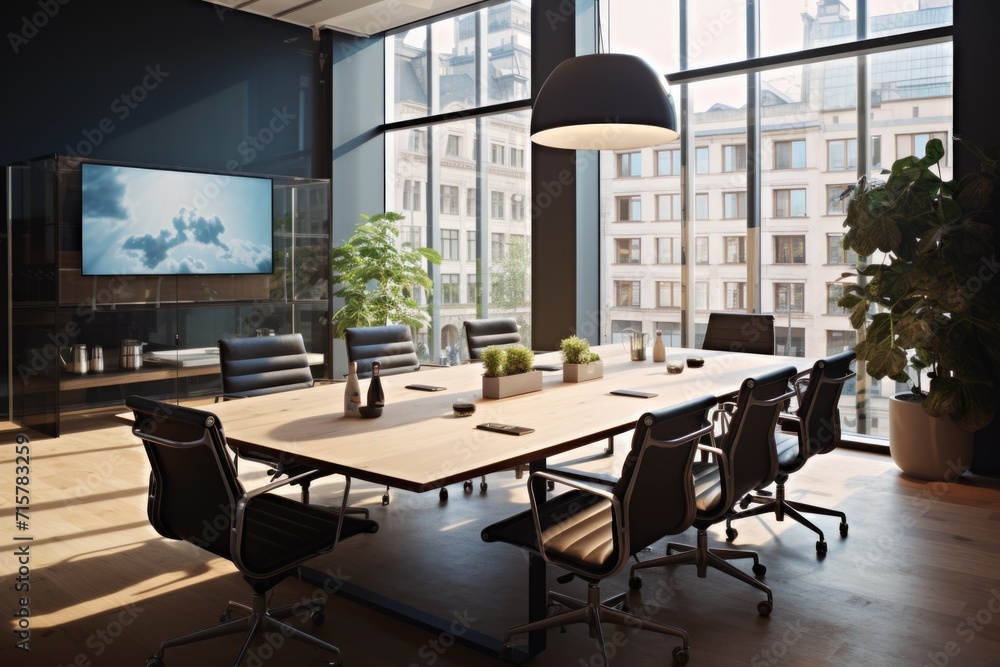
column 509, row 371
column 377, row 275
column 580, row 363
column 932, row 289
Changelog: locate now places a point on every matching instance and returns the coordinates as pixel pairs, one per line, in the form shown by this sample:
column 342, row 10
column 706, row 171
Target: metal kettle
column 77, row 359
column 96, row 359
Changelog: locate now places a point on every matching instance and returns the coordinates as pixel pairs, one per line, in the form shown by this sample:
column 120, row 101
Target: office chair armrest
column 722, row 414
column 578, row 484
column 616, row 508
column 581, row 477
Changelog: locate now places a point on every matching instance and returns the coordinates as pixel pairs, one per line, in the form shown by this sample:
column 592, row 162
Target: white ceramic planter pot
column 925, row 447
column 512, row 385
column 583, row 372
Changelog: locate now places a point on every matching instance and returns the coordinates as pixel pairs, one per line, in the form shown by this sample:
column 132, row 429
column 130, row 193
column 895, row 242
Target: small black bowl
column 695, row 362
column 463, row 408
column 370, row 412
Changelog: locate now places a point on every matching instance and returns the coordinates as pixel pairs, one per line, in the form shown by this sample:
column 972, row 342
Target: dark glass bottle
column 376, row 397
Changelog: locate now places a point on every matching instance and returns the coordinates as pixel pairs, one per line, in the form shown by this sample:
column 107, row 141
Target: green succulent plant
column 513, row 360
column 576, row 350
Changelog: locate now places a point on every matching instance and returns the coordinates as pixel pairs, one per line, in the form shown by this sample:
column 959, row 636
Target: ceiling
column 360, row 17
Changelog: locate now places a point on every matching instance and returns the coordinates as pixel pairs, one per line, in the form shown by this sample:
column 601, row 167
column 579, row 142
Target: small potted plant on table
column 509, row 371
column 580, row 363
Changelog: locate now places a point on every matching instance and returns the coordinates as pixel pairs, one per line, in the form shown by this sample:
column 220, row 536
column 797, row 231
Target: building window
column 835, row 252
column 416, row 141
column 833, row 293
column 517, row 208
column 736, row 249
column 497, row 154
column 627, row 293
column 876, row 155
column 517, row 157
column 629, row 208
column 789, row 297
column 916, row 144
column 789, row 249
column 793, row 345
column 841, row 154
column 836, row 200
column 701, row 206
column 668, row 207
column 701, row 295
column 411, row 195
column 449, row 288
column 471, row 245
column 627, row 251
column 668, row 294
column 449, row 244
column 619, row 326
column 668, row 250
column 449, row 199
column 734, row 158
column 790, row 154
column 472, row 289
column 734, row 205
column 497, row 205
column 498, row 247
column 841, row 341
column 668, row 162
column 470, row 202
column 701, row 250
column 630, row 164
column 736, row 294
column 671, row 333
column 411, row 234
column 454, row 145
column 701, row 160
column 790, row 203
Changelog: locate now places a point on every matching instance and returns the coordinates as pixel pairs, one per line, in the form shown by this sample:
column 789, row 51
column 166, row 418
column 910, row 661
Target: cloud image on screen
column 139, row 221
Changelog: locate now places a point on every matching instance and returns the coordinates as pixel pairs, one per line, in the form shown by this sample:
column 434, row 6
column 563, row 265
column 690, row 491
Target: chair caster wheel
column 731, row 534
column 482, row 488
column 745, row 502
column 843, row 529
column 759, row 569
column 764, row 608
column 467, row 487
column 680, row 655
column 154, row 662
column 443, row 495
column 385, row 500
column 635, row 582
column 317, row 617
column 820, row 548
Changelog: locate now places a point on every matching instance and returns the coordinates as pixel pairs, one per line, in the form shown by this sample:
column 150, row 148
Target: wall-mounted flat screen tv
column 144, row 221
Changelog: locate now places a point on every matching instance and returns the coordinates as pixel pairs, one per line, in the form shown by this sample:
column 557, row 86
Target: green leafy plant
column 513, row 360
column 935, row 292
column 377, row 275
column 576, row 350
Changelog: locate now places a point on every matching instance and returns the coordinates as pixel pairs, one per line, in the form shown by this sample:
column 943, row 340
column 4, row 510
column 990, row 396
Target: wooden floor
column 917, row 581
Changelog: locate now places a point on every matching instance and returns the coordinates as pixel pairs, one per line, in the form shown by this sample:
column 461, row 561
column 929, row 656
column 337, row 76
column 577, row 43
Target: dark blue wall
column 167, row 82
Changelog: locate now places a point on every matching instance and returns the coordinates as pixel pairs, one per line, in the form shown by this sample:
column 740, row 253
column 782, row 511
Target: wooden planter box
column 583, row 372
column 512, row 385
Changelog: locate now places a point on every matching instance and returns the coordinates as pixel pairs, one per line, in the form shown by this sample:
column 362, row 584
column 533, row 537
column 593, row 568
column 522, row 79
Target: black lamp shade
column 608, row 101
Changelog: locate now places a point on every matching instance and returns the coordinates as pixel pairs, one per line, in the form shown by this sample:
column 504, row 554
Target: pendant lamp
column 601, row 101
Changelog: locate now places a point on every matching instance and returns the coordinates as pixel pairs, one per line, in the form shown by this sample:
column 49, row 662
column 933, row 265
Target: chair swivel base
column 259, row 620
column 703, row 558
column 593, row 612
column 781, row 507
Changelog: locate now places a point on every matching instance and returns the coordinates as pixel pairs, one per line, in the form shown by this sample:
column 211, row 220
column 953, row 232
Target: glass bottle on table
column 376, row 397
column 352, row 392
column 659, row 352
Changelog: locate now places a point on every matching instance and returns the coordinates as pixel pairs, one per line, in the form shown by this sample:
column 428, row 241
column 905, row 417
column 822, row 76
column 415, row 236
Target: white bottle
column 352, row 392
column 659, row 352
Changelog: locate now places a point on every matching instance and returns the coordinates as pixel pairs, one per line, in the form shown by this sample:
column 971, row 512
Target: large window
column 789, row 297
column 790, row 203
column 668, row 294
column 701, row 206
column 497, row 205
column 734, row 158
column 701, row 160
column 916, row 144
column 449, row 288
column 789, row 249
column 841, row 154
column 668, row 207
column 837, row 199
column 790, row 154
column 835, row 253
column 668, row 162
column 630, row 164
column 736, row 249
column 701, row 250
column 629, row 209
column 449, row 244
column 627, row 293
column 449, row 199
column 668, row 250
column 833, row 293
column 736, row 295
column 734, row 205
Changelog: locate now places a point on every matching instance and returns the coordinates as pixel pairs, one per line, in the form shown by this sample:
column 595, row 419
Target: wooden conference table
column 419, row 445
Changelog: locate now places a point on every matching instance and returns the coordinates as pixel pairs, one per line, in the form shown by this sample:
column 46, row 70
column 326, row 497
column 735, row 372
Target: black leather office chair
column 813, row 429
column 266, row 536
column 262, row 365
column 593, row 531
column 744, row 459
column 740, row 332
column 391, row 345
column 499, row 331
